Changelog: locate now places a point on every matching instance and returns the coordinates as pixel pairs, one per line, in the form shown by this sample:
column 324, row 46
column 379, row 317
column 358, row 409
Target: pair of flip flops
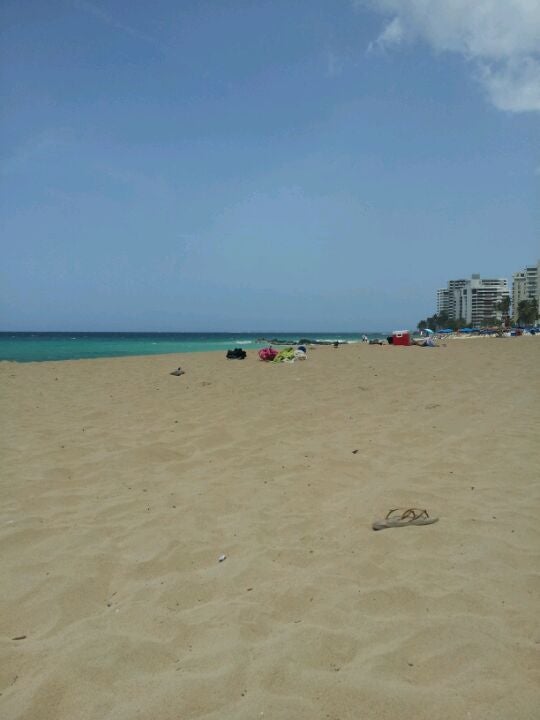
column 404, row 518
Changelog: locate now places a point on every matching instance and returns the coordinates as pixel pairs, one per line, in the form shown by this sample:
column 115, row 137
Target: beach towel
column 286, row 355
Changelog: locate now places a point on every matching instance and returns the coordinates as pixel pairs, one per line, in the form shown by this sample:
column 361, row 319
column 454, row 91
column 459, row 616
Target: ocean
column 42, row 346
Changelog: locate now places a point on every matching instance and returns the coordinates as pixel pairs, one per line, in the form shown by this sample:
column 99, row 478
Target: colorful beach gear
column 267, row 354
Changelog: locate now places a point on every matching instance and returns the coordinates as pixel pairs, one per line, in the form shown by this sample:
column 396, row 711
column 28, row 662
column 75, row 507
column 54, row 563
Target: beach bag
column 236, row 354
column 267, row 354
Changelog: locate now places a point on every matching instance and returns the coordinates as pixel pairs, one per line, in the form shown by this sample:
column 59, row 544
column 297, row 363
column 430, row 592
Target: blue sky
column 239, row 165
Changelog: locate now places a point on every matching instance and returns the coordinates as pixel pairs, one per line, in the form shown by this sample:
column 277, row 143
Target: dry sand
column 122, row 485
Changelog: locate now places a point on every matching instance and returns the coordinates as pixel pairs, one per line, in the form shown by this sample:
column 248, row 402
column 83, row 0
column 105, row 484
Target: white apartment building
column 519, row 292
column 474, row 301
column 454, row 298
column 442, row 301
column 479, row 300
column 525, row 286
column 531, row 281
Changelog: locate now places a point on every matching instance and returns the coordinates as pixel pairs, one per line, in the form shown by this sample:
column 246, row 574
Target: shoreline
column 441, row 339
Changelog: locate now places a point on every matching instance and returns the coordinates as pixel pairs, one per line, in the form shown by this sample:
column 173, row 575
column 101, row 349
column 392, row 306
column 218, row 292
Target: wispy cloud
column 103, row 16
column 499, row 38
column 391, row 36
column 514, row 85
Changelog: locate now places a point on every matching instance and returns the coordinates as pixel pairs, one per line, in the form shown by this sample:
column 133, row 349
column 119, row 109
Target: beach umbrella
column 428, row 331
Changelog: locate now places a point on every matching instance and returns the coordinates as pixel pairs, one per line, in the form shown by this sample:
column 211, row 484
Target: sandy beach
column 122, row 486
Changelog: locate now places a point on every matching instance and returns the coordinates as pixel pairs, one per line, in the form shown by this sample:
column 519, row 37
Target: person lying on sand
column 427, row 342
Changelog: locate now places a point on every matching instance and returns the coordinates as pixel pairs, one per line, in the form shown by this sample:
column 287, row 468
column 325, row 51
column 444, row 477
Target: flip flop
column 403, row 518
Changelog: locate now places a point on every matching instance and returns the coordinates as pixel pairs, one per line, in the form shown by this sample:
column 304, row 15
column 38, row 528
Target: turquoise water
column 38, row 347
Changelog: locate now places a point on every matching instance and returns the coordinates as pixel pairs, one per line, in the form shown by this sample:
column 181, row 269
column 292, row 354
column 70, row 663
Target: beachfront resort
column 482, row 302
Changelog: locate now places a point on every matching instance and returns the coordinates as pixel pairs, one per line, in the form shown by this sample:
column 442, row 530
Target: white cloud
column 500, row 38
column 391, row 36
column 515, row 86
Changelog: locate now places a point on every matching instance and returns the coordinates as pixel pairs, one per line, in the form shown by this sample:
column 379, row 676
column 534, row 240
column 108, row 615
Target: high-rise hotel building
column 525, row 286
column 475, row 301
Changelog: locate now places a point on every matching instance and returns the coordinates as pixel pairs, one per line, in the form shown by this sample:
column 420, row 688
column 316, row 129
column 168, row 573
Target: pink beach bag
column 267, row 354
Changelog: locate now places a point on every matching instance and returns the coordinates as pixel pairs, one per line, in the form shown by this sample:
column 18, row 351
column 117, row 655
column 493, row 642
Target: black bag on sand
column 236, row 354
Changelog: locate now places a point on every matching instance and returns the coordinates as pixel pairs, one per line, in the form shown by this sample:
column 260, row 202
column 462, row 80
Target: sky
column 227, row 165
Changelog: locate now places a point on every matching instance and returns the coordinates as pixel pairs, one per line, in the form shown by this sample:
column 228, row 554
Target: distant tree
column 432, row 322
column 440, row 322
column 504, row 305
column 443, row 320
column 457, row 324
column 504, row 308
column 528, row 311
